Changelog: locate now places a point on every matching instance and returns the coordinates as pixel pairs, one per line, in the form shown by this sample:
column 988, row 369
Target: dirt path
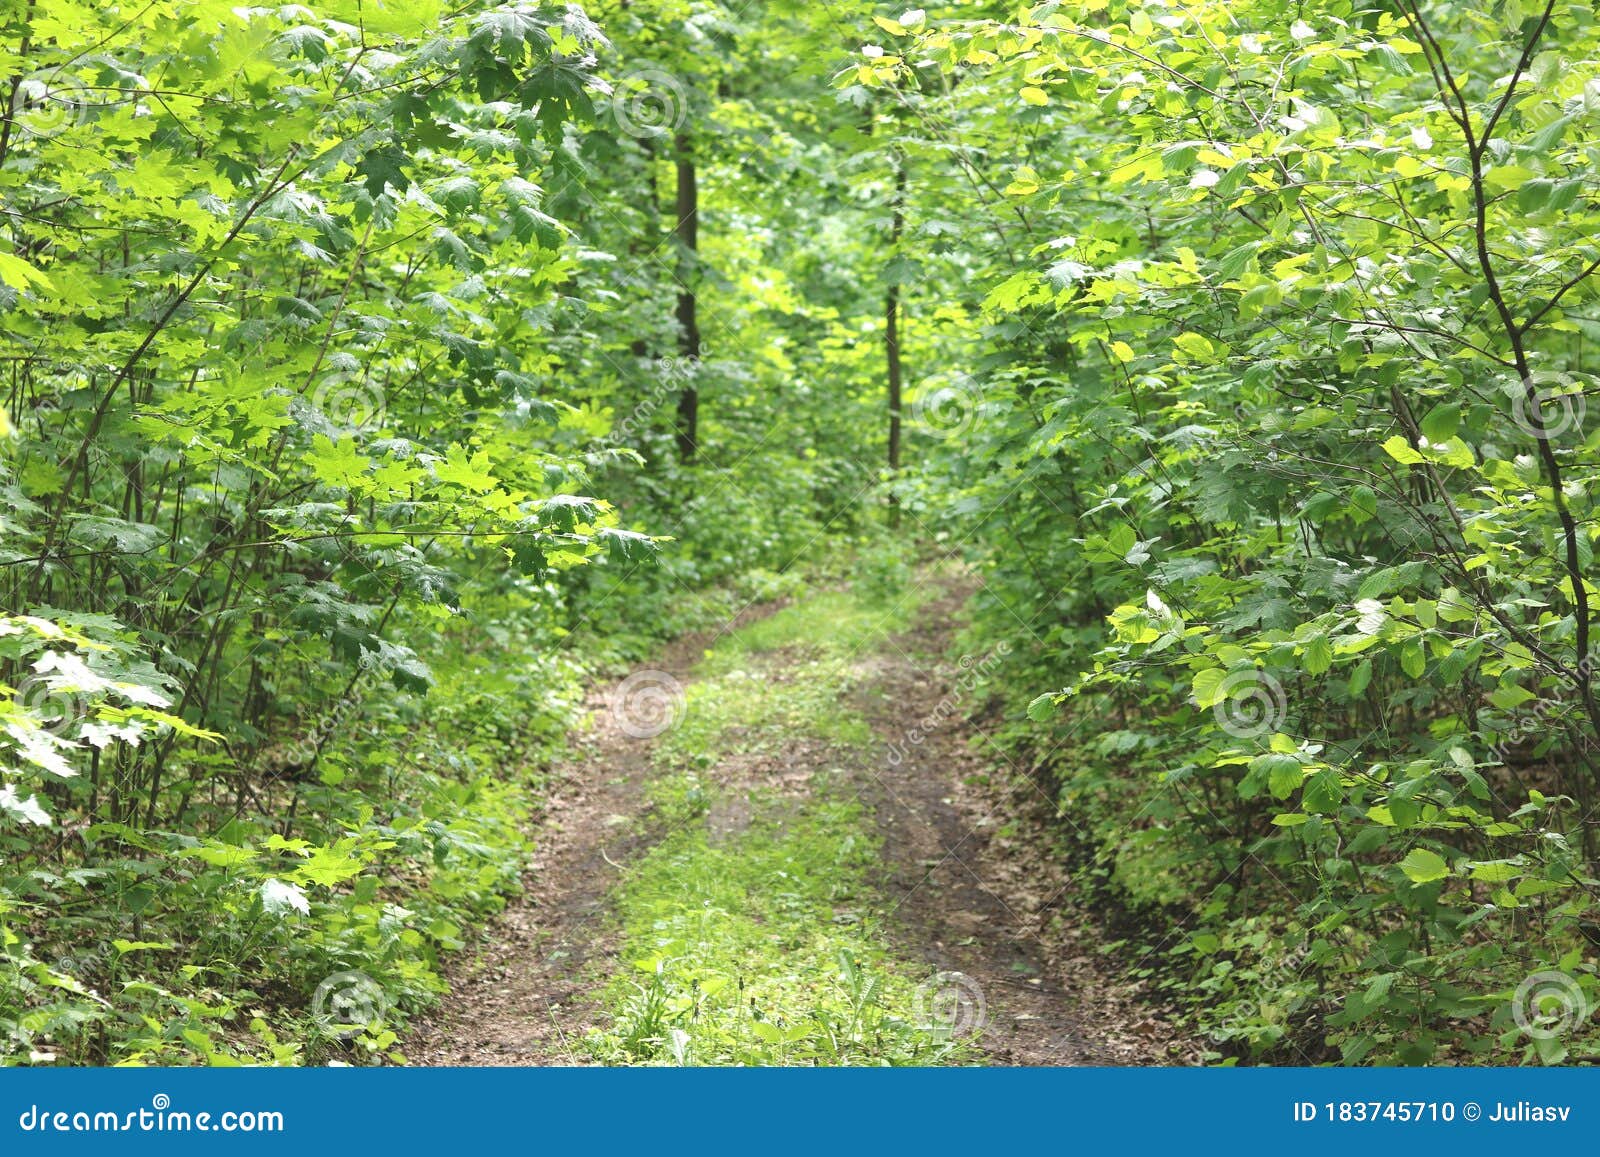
column 524, row 1000
column 995, row 908
column 530, row 996
column 988, row 913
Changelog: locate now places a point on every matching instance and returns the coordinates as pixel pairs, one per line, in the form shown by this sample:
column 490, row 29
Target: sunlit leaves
column 1267, row 368
column 1422, row 866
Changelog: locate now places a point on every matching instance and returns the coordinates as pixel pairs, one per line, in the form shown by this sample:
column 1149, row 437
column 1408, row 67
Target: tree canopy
column 380, row 371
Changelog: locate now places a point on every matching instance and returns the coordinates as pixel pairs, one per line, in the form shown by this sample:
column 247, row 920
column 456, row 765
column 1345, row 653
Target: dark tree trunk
column 891, row 334
column 688, row 232
column 641, row 247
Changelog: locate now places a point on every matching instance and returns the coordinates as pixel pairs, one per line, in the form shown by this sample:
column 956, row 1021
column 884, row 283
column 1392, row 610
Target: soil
column 977, row 885
column 530, row 995
column 977, row 893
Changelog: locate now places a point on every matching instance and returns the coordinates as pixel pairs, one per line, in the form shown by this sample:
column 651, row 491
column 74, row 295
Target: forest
column 799, row 532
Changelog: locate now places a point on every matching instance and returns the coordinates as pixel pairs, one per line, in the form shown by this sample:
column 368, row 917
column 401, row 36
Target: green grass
column 764, row 951
column 751, row 711
column 781, row 678
column 767, row 947
column 838, row 623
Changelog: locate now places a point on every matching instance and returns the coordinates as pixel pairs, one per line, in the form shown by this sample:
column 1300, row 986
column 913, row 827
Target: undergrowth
column 764, row 951
column 312, row 921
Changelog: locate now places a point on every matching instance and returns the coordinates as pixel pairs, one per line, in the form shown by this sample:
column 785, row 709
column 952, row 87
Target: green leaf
column 1207, row 686
column 1510, row 696
column 1441, row 422
column 1497, row 871
column 382, row 167
column 1285, row 773
column 14, row 271
column 1400, row 450
column 1422, row 866
column 467, row 470
column 1363, row 505
column 1323, row 792
column 1360, row 678
column 337, row 463
column 1199, row 347
column 328, row 866
column 1318, row 655
column 631, row 545
column 124, row 947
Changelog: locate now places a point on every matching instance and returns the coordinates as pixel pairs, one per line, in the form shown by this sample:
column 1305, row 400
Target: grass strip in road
column 767, row 946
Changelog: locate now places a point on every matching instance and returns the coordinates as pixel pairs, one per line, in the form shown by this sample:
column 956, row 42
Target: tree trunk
column 688, row 233
column 891, row 335
column 642, row 246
